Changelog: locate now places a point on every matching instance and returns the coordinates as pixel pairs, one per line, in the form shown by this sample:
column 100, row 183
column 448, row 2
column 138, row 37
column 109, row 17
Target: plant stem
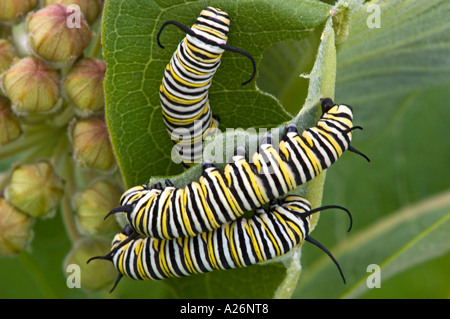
column 96, row 46
column 65, row 116
column 66, row 208
column 27, row 142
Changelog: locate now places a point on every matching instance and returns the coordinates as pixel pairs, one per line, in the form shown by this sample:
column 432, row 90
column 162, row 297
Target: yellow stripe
column 229, row 231
column 208, row 237
column 330, row 139
column 120, row 237
column 133, row 189
column 187, row 254
column 184, row 213
column 231, row 200
column 212, row 57
column 163, row 225
column 179, row 100
column 255, row 243
column 285, row 170
column 216, row 33
column 143, row 214
column 138, row 251
column 287, row 225
column 203, row 195
column 188, row 52
column 256, row 188
column 272, row 238
column 284, row 150
column 216, row 16
column 120, row 263
column 331, row 114
column 311, row 156
column 187, row 83
column 205, row 207
column 254, row 182
column 134, row 198
column 163, row 259
column 179, row 122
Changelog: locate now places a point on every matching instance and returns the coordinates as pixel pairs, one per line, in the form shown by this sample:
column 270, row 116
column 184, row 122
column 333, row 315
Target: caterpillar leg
column 169, row 183
column 207, row 163
column 239, row 154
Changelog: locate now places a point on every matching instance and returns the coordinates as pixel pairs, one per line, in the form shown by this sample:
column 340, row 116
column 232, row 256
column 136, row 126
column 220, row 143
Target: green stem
column 97, row 43
column 5, row 181
column 315, row 194
column 66, row 208
column 28, row 142
column 65, row 116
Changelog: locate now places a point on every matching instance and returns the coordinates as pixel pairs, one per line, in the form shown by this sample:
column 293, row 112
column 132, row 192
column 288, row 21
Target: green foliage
column 136, row 64
column 396, row 78
column 250, row 108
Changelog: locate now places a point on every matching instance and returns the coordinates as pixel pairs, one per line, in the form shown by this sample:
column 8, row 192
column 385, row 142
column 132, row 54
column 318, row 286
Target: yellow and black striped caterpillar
column 187, row 78
column 219, row 197
column 240, row 243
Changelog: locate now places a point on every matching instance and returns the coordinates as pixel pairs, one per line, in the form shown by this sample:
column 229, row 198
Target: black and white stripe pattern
column 186, row 81
column 220, row 197
column 241, row 243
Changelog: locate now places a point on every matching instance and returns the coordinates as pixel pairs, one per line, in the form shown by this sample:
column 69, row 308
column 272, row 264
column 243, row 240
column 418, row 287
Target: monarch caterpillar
column 187, row 78
column 219, row 197
column 239, row 243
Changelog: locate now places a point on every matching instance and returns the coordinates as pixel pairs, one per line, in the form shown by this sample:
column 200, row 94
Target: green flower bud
column 7, row 55
column 91, row 8
column 93, row 204
column 83, row 86
column 9, row 125
column 31, row 86
column 13, row 10
column 91, row 143
column 94, row 276
column 15, row 229
column 54, row 37
column 35, row 189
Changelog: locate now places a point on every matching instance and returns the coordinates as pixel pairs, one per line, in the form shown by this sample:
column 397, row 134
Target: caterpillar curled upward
column 187, row 78
column 239, row 243
column 219, row 197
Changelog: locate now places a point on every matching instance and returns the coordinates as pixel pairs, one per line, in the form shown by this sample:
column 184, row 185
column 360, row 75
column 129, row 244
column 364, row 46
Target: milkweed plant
column 80, row 122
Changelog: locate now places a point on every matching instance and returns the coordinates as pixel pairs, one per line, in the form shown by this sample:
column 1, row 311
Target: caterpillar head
column 327, row 104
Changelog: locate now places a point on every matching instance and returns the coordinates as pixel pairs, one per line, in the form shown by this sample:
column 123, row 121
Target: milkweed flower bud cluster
column 52, row 38
column 32, row 86
column 35, row 189
column 13, row 10
column 55, row 152
column 83, row 86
